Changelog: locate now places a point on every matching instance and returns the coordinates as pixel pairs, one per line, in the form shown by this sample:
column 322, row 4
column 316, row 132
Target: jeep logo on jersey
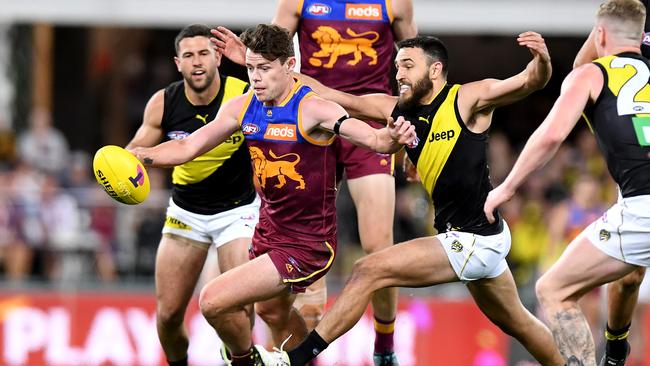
column 250, row 129
column 177, row 135
column 363, row 11
column 319, row 9
column 444, row 135
column 283, row 132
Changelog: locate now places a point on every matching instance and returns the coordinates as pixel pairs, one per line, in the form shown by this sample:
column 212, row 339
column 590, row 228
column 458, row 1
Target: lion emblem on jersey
column 333, row 45
column 282, row 169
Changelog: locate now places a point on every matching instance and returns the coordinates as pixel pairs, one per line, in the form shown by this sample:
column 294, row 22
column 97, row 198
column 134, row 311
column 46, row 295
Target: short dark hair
column 271, row 41
column 432, row 47
column 192, row 30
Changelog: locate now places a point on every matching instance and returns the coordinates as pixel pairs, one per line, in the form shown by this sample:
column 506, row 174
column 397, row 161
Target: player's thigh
column 233, row 253
column 374, row 199
column 498, row 299
column 579, row 269
column 415, row 263
column 255, row 280
column 179, row 262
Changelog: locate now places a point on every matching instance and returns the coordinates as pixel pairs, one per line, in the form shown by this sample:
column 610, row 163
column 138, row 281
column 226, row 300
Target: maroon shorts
column 299, row 262
column 358, row 161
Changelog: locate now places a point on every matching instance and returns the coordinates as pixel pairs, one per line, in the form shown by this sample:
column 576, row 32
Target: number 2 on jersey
column 626, row 102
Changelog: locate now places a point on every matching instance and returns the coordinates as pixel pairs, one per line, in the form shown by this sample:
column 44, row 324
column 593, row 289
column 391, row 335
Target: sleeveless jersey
column 620, row 119
column 296, row 174
column 221, row 179
column 452, row 164
column 347, row 45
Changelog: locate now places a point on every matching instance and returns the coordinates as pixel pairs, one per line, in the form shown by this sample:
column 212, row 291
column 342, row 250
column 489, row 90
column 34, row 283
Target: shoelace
column 282, row 345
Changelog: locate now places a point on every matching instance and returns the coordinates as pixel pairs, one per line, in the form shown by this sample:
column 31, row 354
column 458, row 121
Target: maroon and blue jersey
column 295, row 174
column 347, row 45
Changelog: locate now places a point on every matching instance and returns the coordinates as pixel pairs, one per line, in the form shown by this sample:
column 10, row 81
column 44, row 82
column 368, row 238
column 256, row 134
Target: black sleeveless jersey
column 452, row 163
column 620, row 119
column 221, row 179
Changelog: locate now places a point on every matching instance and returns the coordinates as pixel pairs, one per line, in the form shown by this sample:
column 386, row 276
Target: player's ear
column 177, row 61
column 290, row 64
column 435, row 70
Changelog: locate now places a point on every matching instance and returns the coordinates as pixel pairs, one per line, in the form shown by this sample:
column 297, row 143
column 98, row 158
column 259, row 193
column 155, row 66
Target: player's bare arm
column 376, row 106
column 150, row 132
column 176, row 152
column 580, row 86
column 485, row 95
column 325, row 115
column 287, row 15
column 587, row 52
column 404, row 26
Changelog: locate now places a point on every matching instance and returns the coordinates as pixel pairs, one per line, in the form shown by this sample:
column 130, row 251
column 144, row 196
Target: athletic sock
column 243, row 360
column 617, row 346
column 181, row 362
column 308, row 349
column 384, row 331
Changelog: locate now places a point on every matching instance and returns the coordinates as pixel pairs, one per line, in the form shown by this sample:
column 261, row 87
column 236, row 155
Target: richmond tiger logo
column 282, row 169
column 333, row 45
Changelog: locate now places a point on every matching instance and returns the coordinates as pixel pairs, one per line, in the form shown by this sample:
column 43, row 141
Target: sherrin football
column 121, row 175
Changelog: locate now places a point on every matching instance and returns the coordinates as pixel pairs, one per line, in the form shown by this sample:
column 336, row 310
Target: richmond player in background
column 349, row 45
column 613, row 92
column 213, row 199
column 622, row 294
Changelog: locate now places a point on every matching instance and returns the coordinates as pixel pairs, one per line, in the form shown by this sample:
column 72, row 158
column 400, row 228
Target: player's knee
column 210, row 308
column 168, row 316
column 545, row 290
column 364, row 271
column 632, row 281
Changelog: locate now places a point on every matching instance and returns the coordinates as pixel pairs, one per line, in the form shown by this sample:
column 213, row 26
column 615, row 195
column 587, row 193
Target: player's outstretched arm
column 587, row 52
column 331, row 117
column 490, row 93
column 404, row 26
column 376, row 107
column 287, row 15
column 578, row 87
column 150, row 132
column 176, row 152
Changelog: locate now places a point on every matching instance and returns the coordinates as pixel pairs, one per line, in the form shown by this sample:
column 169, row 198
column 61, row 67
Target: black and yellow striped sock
column 617, row 346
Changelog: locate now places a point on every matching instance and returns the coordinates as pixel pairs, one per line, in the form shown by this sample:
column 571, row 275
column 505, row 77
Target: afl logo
column 319, row 9
column 646, row 39
column 177, row 135
column 250, row 129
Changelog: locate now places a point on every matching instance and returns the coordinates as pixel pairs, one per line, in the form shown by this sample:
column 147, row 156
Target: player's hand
column 494, row 199
column 228, row 44
column 138, row 152
column 402, row 131
column 536, row 44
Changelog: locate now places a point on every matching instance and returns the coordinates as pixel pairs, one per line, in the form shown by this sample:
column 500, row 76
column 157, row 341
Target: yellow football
column 121, row 175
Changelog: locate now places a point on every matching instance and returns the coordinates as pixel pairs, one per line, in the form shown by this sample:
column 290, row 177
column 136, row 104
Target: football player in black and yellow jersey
column 622, row 294
column 213, row 198
column 451, row 123
column 614, row 92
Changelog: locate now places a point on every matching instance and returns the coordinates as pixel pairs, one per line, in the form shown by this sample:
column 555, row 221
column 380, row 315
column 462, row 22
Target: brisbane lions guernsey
column 296, row 174
column 220, row 179
column 452, row 163
column 347, row 45
column 620, row 119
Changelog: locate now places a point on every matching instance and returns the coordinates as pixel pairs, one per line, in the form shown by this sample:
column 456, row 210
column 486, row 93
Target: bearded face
column 412, row 92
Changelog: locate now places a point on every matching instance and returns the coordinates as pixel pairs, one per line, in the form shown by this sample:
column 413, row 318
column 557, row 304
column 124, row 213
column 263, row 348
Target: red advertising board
column 118, row 328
